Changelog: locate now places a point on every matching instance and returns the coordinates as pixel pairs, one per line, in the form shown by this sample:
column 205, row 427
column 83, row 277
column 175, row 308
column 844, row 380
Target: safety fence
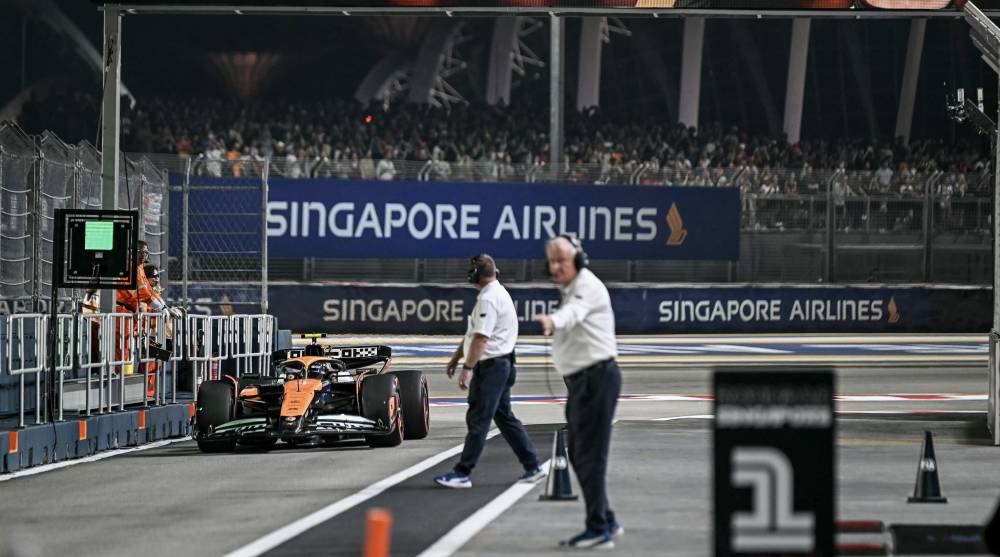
column 219, row 239
column 751, row 178
column 39, row 174
column 103, row 362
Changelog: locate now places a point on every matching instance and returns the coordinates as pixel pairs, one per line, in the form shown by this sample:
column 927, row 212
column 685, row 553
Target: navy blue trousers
column 489, row 399
column 590, row 409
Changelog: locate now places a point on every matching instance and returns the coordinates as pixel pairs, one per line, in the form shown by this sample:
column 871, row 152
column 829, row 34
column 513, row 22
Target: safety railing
column 91, row 338
column 103, row 362
column 156, row 346
column 993, row 382
column 66, row 326
column 197, row 332
column 251, row 337
column 25, row 342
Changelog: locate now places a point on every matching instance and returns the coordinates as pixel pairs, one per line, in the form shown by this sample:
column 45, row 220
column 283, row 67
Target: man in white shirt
column 385, row 169
column 487, row 356
column 583, row 352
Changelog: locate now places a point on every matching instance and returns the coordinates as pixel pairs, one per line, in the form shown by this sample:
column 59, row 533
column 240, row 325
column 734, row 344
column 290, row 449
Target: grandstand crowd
column 339, row 138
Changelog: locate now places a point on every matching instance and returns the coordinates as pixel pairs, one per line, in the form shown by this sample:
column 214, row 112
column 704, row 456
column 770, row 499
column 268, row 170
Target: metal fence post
column 263, row 238
column 35, row 225
column 928, row 228
column 185, row 256
column 831, row 214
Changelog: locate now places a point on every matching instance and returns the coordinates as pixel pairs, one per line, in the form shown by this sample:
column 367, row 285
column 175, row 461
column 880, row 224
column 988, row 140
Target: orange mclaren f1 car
column 313, row 396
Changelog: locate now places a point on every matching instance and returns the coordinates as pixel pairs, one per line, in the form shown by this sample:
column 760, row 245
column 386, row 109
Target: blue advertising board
column 356, row 218
column 442, row 309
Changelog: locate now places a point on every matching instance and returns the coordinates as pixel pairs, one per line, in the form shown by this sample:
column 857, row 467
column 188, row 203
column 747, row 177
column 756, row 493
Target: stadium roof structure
column 783, row 9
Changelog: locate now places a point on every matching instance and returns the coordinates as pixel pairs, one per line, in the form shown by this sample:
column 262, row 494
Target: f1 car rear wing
column 352, row 356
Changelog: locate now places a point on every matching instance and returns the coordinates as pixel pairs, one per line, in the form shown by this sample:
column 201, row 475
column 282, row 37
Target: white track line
column 87, row 459
column 779, row 338
column 465, row 530
column 285, row 533
column 692, row 417
column 839, row 413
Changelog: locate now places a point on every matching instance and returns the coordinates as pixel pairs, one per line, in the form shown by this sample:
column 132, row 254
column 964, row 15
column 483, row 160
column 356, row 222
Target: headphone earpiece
column 480, row 264
column 580, row 259
column 474, row 274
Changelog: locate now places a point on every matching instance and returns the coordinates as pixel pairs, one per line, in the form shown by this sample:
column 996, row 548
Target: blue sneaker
column 616, row 530
column 533, row 475
column 588, row 539
column 454, row 480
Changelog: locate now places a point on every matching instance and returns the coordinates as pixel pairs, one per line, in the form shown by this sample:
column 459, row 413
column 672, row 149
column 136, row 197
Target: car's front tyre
column 214, row 408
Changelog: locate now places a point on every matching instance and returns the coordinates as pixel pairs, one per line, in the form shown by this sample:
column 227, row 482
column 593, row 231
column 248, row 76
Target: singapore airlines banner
column 442, row 309
column 338, row 218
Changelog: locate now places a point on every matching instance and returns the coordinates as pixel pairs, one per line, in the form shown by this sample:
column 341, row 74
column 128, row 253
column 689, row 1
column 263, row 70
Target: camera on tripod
column 963, row 110
column 958, row 108
column 161, row 352
column 955, row 108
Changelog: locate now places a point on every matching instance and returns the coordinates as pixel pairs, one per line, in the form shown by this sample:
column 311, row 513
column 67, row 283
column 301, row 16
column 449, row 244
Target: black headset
column 476, row 271
column 580, row 259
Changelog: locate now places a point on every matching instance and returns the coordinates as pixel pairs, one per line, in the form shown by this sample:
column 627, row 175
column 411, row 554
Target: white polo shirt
column 495, row 318
column 583, row 326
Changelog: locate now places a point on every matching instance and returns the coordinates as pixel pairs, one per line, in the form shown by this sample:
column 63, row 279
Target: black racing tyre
column 415, row 402
column 380, row 402
column 215, row 407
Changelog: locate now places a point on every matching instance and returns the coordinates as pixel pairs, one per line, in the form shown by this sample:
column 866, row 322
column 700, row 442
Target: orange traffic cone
column 378, row 532
column 559, row 485
column 927, row 488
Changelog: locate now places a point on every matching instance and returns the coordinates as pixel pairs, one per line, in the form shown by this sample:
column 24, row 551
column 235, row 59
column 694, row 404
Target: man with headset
column 583, row 352
column 488, row 373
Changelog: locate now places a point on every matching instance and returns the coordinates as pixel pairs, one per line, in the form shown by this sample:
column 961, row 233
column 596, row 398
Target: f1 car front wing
column 324, row 424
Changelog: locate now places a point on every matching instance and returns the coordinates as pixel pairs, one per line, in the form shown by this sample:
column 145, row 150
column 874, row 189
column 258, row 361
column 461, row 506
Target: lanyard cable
column 548, row 347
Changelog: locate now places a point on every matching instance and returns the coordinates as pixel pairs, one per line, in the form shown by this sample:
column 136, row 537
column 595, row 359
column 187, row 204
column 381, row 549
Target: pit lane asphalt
column 175, row 500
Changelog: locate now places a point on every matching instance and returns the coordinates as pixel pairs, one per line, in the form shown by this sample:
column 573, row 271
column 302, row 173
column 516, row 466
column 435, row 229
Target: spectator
column 883, row 176
column 367, row 166
column 385, row 170
column 508, row 140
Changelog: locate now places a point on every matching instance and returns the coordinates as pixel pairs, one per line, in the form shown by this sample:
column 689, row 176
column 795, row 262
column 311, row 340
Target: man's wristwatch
column 466, row 366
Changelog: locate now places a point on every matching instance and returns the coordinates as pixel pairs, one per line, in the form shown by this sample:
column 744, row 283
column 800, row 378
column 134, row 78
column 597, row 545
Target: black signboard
column 95, row 249
column 774, row 462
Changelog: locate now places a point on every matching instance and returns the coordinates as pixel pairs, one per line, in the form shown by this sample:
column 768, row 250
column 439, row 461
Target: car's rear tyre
column 414, row 398
column 380, row 402
column 215, row 407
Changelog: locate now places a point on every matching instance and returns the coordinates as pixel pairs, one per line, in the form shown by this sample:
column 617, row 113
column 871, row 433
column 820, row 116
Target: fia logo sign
column 772, row 524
